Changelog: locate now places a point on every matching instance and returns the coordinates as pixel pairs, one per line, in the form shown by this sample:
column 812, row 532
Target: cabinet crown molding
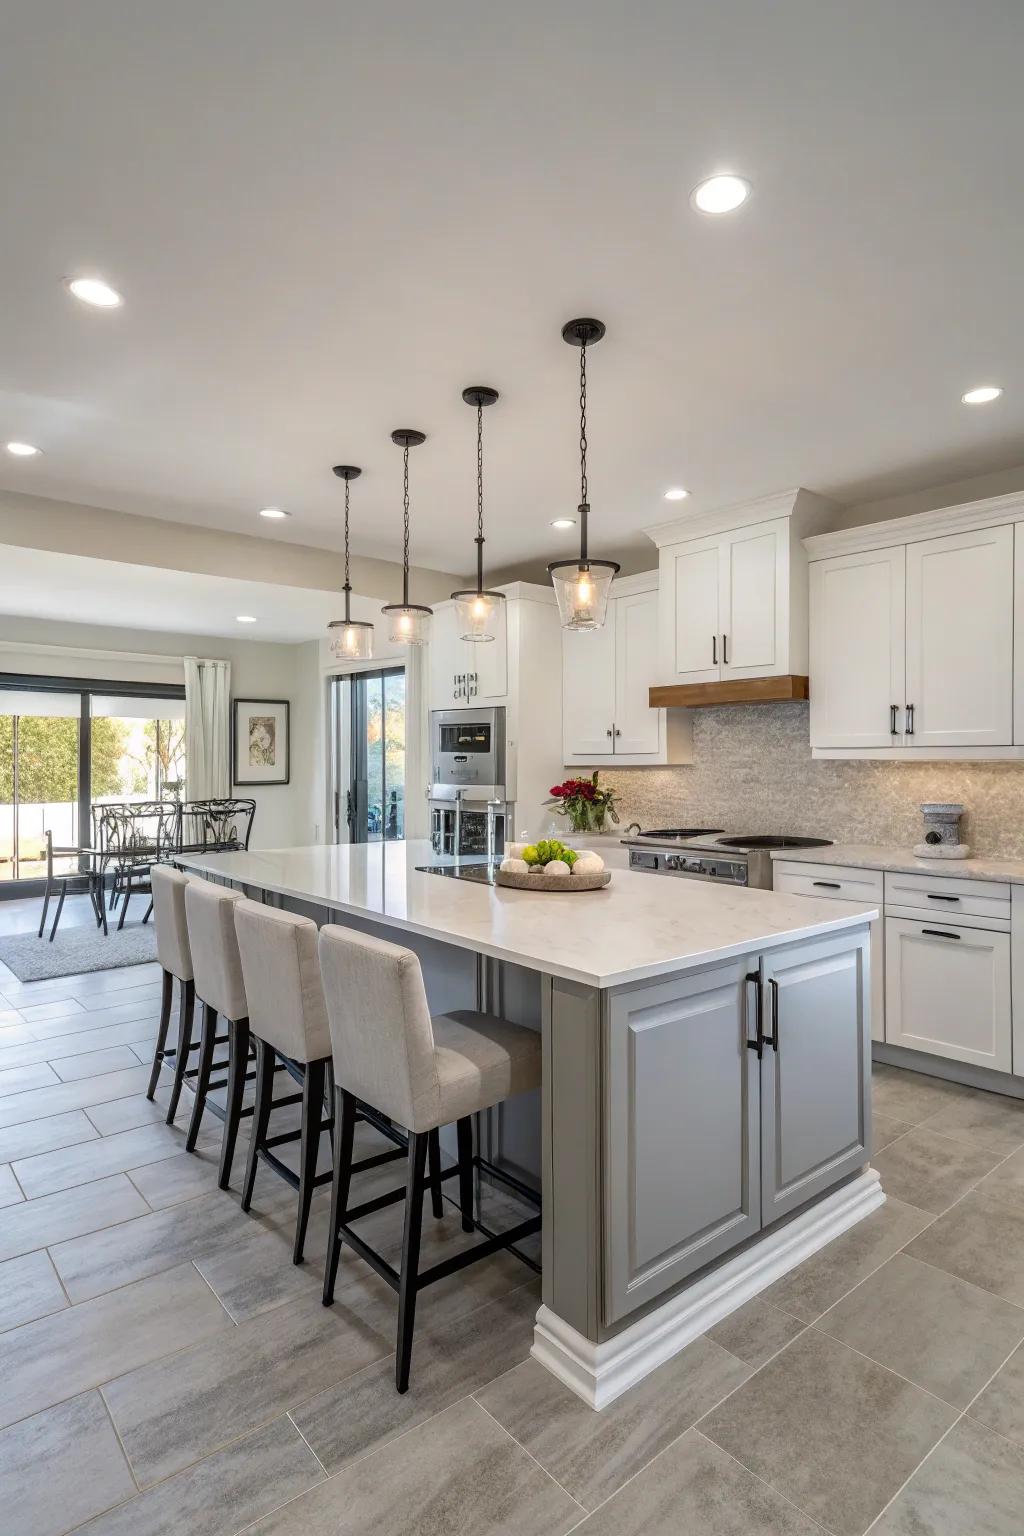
column 798, row 503
column 965, row 518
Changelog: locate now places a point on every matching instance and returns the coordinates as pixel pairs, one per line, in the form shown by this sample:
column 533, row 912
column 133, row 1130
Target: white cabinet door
column 858, row 648
column 947, row 990
column 691, row 645
column 486, row 663
column 588, row 693
column 960, row 640
column 754, row 600
column 445, row 660
column 637, row 727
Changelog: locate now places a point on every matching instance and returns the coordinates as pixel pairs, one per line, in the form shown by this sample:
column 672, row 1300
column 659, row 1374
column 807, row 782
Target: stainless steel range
column 706, row 853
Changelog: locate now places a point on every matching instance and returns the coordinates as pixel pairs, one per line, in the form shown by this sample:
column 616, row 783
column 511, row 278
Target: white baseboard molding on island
column 599, row 1373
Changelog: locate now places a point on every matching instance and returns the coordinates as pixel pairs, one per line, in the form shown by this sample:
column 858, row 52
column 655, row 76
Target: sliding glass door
column 69, row 744
column 376, row 777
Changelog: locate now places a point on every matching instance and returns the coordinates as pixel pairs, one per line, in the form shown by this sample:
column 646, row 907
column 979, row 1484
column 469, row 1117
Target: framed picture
column 260, row 748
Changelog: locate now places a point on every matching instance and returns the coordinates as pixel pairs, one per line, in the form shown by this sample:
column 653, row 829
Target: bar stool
column 217, row 968
column 424, row 1073
column 287, row 1017
column 175, row 957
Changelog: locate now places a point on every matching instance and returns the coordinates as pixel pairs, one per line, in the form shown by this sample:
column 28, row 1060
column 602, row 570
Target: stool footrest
column 371, row 1256
column 478, row 1251
column 378, row 1159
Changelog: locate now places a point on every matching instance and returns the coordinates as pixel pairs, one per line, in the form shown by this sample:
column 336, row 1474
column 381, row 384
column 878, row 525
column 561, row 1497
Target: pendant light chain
column 405, row 539
column 583, row 423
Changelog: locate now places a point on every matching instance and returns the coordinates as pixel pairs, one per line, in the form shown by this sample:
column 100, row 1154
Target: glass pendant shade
column 350, row 640
column 476, row 614
column 410, row 624
column 581, row 590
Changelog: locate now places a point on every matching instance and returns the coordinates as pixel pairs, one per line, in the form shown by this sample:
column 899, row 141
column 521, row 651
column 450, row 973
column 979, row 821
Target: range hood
column 740, row 690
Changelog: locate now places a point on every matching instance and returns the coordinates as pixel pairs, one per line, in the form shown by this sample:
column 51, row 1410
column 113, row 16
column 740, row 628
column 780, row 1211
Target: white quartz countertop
column 902, row 861
column 639, row 926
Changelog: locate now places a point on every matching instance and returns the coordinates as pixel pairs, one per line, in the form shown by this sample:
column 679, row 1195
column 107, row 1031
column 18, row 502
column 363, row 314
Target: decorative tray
column 516, row 882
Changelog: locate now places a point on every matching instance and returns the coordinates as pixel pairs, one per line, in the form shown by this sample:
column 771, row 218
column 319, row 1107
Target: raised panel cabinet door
column 858, row 649
column 638, row 727
column 816, row 1070
column 681, row 1155
column 588, row 694
column 947, row 990
column 691, row 645
column 446, row 660
column 754, row 600
column 487, row 662
column 960, row 640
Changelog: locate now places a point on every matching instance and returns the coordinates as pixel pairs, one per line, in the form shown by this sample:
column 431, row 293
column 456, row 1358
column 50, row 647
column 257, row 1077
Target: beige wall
column 753, row 772
column 285, row 814
column 35, row 522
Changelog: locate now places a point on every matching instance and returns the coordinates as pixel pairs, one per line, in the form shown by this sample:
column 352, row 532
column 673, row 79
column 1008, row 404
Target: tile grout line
column 306, row 1443
column 124, row 1449
column 764, row 1482
column 532, row 1457
column 220, row 1303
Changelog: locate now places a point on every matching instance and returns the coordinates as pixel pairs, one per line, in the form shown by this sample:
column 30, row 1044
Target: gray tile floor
column 164, row 1368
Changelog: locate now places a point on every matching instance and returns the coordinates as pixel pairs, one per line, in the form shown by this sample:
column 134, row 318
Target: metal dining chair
column 61, row 879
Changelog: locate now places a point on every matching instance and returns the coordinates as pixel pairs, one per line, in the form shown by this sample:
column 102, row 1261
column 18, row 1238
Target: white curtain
column 207, row 728
column 417, row 743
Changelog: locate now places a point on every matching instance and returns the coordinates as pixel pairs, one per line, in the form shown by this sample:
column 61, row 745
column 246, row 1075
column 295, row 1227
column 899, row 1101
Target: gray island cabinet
column 704, row 1122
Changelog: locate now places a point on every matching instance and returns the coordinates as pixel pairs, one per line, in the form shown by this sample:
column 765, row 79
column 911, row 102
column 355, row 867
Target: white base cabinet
column 832, row 882
column 948, row 990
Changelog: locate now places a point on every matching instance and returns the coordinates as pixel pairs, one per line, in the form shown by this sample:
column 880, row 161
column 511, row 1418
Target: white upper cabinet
column 733, row 590
column 912, row 632
column 858, row 648
column 606, row 678
column 465, row 672
column 960, row 640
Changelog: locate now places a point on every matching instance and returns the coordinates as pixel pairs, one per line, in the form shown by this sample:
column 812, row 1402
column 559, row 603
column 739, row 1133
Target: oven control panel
column 697, row 866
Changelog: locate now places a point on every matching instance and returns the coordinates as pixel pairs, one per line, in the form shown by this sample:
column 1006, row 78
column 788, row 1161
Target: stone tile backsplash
column 753, row 772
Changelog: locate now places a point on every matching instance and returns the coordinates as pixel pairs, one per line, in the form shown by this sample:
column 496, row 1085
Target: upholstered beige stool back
column 381, row 1033
column 216, row 963
column 172, row 947
column 281, row 970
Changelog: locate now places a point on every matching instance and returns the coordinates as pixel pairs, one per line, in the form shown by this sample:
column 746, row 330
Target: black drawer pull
column 829, row 885
column 757, row 1044
column 932, row 897
column 939, row 933
column 773, row 1038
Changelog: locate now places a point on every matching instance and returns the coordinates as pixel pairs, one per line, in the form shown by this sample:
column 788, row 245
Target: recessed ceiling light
column 23, row 450
column 676, row 493
column 245, row 618
column 563, row 522
column 94, row 291
column 982, row 395
column 720, row 194
column 274, row 512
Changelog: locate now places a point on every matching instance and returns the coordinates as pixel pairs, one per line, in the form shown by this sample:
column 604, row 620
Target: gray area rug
column 76, row 950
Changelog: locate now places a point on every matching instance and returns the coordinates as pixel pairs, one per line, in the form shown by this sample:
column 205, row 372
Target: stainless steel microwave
column 468, row 753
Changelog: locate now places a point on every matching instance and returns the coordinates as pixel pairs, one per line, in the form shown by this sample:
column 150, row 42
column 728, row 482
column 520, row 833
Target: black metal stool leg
column 464, row 1130
column 46, row 903
column 238, row 1062
column 161, row 1037
column 206, row 1045
column 60, row 908
column 309, row 1147
column 407, row 1286
column 260, row 1117
column 344, row 1136
column 434, row 1151
column 186, row 1010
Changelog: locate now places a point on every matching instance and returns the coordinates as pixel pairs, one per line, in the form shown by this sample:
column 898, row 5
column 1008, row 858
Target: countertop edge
column 900, row 861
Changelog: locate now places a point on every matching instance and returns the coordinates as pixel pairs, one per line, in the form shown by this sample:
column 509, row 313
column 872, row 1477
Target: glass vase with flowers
column 587, row 803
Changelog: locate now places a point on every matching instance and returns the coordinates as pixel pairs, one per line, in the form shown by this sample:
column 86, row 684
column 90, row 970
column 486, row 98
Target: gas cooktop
column 712, row 837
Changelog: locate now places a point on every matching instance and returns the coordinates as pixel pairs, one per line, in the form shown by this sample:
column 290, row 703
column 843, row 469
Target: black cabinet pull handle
column 773, row 1038
column 933, row 897
column 910, row 719
column 939, row 933
column 725, row 650
column 714, row 650
column 894, row 710
column 757, row 1044
column 829, row 885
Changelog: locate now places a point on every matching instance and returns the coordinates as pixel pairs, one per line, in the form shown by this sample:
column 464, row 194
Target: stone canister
column 941, row 831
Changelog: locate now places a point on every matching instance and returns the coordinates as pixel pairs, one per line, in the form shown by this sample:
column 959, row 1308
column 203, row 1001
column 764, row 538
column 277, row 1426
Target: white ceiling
column 329, row 217
column 44, row 584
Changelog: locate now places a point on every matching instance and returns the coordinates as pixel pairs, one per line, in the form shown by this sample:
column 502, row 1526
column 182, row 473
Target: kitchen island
column 705, row 1116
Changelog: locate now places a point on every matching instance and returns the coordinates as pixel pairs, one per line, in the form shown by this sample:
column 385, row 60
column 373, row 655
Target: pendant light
column 582, row 586
column 410, row 622
column 351, row 639
column 477, row 610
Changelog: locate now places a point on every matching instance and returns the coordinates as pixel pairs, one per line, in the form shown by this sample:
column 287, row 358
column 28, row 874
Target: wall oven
column 468, row 806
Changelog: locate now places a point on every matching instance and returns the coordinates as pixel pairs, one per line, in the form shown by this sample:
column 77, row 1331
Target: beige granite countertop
column 902, row 861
